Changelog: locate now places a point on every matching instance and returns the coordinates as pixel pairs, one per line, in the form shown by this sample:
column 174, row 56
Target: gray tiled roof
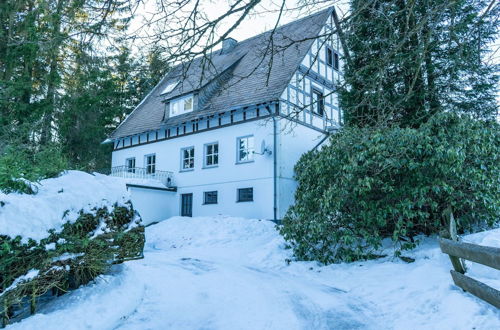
column 250, row 82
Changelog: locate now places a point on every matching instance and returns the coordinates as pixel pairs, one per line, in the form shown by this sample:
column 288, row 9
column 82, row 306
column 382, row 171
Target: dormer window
column 181, row 105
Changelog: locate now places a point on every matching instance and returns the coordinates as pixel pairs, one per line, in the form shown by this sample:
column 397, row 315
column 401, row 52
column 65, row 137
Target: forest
column 68, row 77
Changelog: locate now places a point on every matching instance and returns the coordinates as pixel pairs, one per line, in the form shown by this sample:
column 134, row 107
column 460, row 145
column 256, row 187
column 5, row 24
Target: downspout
column 275, row 165
column 328, row 132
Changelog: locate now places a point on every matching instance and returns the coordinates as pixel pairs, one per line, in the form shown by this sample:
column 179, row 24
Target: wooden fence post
column 458, row 265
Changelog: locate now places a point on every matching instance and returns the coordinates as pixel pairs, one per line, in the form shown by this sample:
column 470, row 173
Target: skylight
column 170, row 87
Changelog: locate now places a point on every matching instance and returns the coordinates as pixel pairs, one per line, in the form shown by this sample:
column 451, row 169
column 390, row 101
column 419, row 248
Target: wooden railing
column 164, row 177
column 485, row 255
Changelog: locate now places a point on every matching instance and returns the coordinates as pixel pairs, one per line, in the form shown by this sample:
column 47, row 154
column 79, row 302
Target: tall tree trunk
column 53, row 75
column 431, row 92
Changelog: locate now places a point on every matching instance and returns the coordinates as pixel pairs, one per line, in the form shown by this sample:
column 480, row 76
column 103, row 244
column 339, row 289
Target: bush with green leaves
column 373, row 183
column 73, row 256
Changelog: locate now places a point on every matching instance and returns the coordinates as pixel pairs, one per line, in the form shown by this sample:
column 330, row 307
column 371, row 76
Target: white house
column 223, row 133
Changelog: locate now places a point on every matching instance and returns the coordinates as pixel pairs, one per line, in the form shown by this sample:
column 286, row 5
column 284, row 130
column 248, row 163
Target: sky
column 263, row 19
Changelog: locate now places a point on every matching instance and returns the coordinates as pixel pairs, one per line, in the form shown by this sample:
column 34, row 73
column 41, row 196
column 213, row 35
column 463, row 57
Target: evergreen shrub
column 373, row 183
column 73, row 256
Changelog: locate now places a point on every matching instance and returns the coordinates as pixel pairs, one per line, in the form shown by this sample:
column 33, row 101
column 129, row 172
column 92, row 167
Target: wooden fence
column 485, row 255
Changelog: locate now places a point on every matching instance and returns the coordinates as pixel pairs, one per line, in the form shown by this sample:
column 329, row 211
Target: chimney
column 228, row 45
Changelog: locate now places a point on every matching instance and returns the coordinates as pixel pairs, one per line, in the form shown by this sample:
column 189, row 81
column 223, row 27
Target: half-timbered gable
column 310, row 97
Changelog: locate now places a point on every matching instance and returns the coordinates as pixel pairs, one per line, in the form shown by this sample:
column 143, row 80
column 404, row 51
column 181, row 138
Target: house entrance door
column 187, row 205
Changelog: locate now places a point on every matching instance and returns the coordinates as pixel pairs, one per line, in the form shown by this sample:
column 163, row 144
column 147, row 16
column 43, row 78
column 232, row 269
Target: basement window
column 245, row 195
column 210, row 197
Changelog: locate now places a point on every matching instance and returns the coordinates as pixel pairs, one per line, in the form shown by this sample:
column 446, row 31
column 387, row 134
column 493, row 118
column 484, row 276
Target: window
column 150, row 164
column 245, row 149
column 130, row 164
column 187, row 155
column 318, row 102
column 332, row 58
column 181, row 105
column 170, row 87
column 329, row 56
column 210, row 197
column 211, row 154
column 245, row 195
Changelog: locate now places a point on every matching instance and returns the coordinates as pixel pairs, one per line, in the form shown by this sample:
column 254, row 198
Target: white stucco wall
column 153, row 205
column 294, row 140
column 225, row 178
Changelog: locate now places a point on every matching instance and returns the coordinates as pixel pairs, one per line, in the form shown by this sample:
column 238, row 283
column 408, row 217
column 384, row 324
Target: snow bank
column 58, row 200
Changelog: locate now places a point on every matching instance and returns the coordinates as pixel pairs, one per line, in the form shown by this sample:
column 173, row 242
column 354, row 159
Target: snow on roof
column 170, row 87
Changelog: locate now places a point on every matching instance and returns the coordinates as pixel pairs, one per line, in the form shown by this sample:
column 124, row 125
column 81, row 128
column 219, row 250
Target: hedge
column 374, row 183
column 67, row 259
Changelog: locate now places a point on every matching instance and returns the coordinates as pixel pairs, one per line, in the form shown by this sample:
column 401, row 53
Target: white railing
column 164, row 177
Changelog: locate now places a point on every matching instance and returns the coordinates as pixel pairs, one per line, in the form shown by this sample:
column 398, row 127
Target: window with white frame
column 246, row 149
column 211, row 154
column 187, row 162
column 181, row 105
column 130, row 163
column 150, row 164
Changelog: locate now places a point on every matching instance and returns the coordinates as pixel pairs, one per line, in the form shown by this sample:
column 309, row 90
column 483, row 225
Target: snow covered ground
column 231, row 273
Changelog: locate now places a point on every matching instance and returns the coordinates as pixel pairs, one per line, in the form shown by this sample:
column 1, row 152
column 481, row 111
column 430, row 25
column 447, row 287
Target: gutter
column 131, row 185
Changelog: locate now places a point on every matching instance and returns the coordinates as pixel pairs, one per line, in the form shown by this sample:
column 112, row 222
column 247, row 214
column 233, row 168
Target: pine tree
column 42, row 42
column 411, row 59
column 100, row 91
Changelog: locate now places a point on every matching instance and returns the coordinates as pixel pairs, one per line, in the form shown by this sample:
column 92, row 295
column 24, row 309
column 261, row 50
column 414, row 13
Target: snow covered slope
column 31, row 216
column 231, row 273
